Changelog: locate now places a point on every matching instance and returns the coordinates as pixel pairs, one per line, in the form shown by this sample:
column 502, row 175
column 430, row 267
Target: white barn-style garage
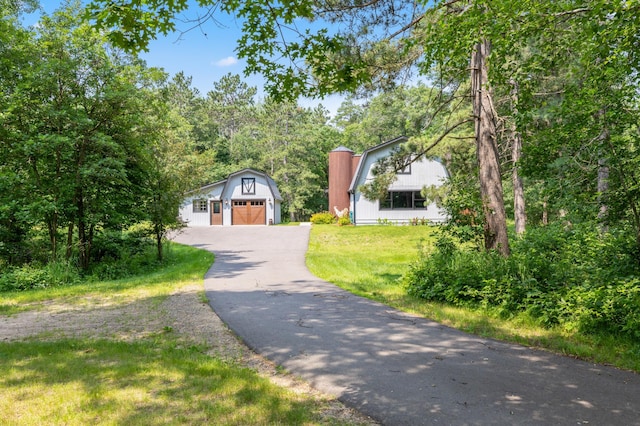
column 246, row 197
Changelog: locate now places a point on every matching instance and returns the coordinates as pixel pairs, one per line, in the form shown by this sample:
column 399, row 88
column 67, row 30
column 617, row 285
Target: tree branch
column 572, row 12
column 442, row 136
column 406, row 27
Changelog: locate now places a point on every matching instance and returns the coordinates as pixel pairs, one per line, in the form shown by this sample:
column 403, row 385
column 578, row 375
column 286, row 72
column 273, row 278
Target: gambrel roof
column 366, row 153
column 224, row 182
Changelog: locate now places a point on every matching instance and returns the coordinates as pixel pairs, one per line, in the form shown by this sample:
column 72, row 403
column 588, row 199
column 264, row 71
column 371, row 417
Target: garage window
column 200, row 206
column 248, row 186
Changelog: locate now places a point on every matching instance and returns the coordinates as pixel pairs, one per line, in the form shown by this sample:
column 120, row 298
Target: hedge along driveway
column 395, row 367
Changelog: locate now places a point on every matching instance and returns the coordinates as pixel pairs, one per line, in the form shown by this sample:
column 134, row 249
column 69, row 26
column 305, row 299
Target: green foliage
column 33, row 276
column 115, row 255
column 366, row 260
column 292, row 145
column 71, row 140
column 114, row 245
column 572, row 115
column 182, row 265
column 568, row 276
column 323, row 218
column 402, row 111
column 460, row 198
column 138, row 22
column 344, row 221
column 122, row 254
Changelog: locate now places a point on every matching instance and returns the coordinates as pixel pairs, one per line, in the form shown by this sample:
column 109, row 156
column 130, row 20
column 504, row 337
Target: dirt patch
column 183, row 313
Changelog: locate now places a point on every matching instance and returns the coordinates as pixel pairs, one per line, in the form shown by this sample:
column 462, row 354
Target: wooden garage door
column 249, row 213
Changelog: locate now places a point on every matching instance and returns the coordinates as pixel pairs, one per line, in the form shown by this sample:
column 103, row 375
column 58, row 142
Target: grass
column 183, row 265
column 155, row 380
column 370, row 260
column 77, row 382
column 366, row 260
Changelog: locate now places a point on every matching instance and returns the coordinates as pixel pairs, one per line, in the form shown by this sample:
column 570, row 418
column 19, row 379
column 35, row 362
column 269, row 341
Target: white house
column 403, row 203
column 246, row 197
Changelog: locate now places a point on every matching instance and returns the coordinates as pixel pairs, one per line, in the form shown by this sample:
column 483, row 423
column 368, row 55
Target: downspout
column 353, row 201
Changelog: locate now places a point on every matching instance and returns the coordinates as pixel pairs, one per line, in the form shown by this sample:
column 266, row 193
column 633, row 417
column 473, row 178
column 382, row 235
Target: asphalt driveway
column 397, row 368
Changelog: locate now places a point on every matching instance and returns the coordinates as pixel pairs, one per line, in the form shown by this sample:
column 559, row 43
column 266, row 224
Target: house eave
column 365, row 154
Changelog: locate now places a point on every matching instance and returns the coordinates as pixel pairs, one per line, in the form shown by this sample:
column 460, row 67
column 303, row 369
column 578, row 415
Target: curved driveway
column 397, row 368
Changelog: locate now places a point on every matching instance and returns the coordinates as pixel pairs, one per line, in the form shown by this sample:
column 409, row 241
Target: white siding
column 234, row 188
column 424, row 172
column 277, row 212
column 191, row 218
column 229, row 190
column 262, row 192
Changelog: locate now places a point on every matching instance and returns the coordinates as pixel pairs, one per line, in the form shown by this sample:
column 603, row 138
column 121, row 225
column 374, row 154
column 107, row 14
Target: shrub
column 36, row 276
column 115, row 245
column 612, row 308
column 344, row 221
column 323, row 218
column 573, row 277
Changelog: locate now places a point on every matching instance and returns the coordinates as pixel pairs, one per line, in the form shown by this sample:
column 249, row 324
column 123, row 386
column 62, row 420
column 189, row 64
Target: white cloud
column 226, row 62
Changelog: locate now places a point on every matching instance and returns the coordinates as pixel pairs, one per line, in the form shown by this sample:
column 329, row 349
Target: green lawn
column 369, row 261
column 159, row 379
column 79, row 382
column 366, row 260
column 183, row 265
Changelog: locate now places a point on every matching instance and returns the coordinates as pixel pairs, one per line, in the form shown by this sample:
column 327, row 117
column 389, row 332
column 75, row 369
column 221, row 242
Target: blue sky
column 206, row 54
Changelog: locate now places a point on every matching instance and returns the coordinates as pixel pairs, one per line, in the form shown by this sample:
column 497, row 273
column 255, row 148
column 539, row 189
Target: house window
column 403, row 200
column 248, row 186
column 405, row 166
column 200, row 206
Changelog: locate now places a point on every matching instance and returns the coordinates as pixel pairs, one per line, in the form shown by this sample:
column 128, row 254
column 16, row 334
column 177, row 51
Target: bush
column 613, row 308
column 573, row 277
column 344, row 221
column 323, row 218
column 36, row 276
column 115, row 245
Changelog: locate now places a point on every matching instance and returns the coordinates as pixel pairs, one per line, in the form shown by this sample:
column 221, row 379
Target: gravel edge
column 185, row 313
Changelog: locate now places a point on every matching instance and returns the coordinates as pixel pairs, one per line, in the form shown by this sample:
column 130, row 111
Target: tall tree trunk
column 495, row 222
column 69, row 251
column 159, row 233
column 83, row 252
column 603, row 187
column 83, row 255
column 520, row 214
column 603, row 174
column 52, row 226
